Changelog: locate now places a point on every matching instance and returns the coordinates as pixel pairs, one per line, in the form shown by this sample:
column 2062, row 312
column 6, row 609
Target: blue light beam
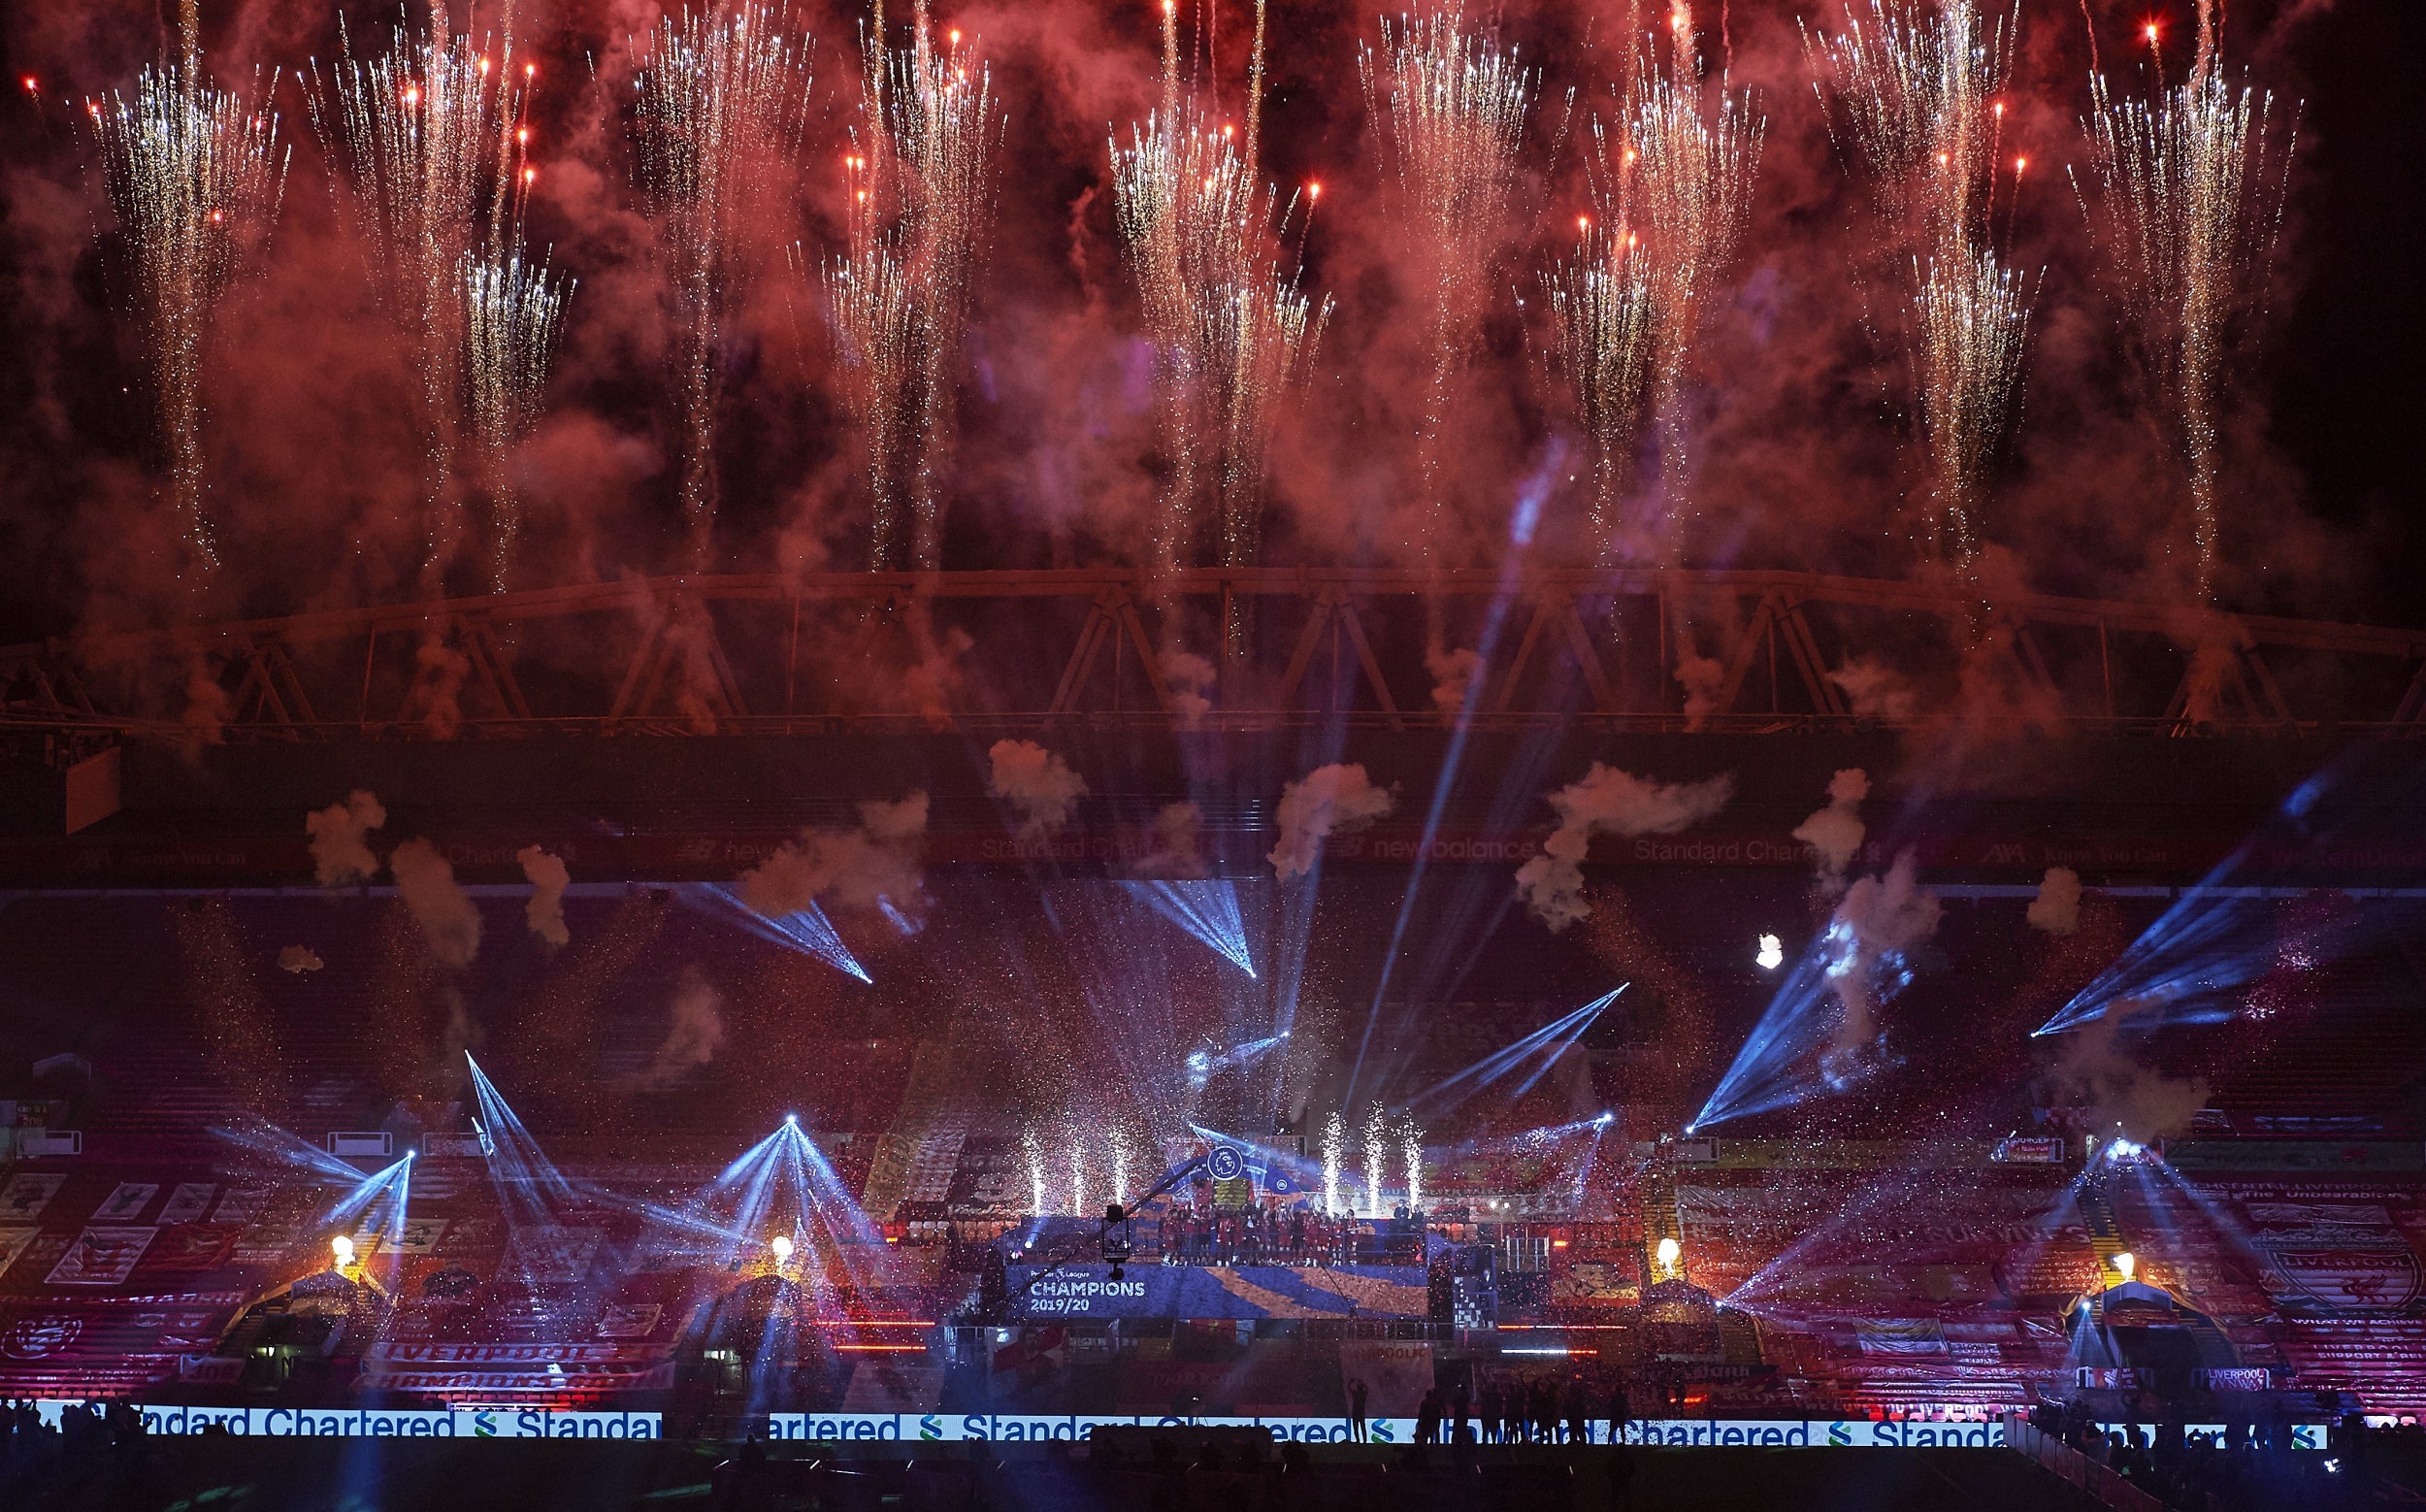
column 2221, row 937
column 1208, row 911
column 808, row 932
column 1548, row 1043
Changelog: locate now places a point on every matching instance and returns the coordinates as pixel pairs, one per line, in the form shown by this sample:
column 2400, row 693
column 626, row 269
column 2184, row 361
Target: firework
column 515, row 310
column 1452, row 108
column 1918, row 97
column 1601, row 306
column 1376, row 1158
column 418, row 132
column 722, row 102
column 2190, row 201
column 196, row 175
column 1231, row 330
column 921, row 197
column 1971, row 314
column 1415, row 1167
column 1334, row 1143
column 1673, row 186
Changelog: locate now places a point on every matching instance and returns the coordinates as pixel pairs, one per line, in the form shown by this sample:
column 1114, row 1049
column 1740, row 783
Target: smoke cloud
column 451, row 922
column 1454, row 672
column 1334, row 799
column 865, row 867
column 1835, row 831
column 1036, row 782
column 548, row 876
column 1877, row 922
column 1174, row 855
column 2058, row 908
column 299, row 959
column 2123, row 1096
column 694, row 1035
column 341, row 848
column 1189, row 679
column 1607, row 801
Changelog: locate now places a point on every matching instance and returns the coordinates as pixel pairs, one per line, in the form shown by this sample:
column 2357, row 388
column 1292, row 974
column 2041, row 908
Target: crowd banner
column 385, row 1423
column 1672, row 1433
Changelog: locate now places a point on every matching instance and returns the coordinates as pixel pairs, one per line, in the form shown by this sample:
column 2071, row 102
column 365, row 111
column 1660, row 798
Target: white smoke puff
column 451, row 922
column 1035, row 781
column 1188, row 677
column 1174, row 854
column 437, row 696
column 1334, row 799
column 2058, row 908
column 860, row 869
column 2122, row 1096
column 1835, row 831
column 695, row 1035
column 1878, row 920
column 1607, row 801
column 1454, row 674
column 341, row 849
column 1875, row 691
column 549, row 878
column 1703, row 678
column 208, row 706
column 300, row 959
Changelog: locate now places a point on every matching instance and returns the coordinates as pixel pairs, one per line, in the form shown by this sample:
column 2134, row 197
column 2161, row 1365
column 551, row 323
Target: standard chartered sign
column 441, row 1423
column 1677, row 1433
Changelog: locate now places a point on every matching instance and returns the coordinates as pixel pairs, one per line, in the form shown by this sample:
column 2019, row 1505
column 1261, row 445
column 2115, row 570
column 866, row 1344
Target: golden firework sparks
column 1451, row 106
column 722, row 102
column 2189, row 205
column 196, row 175
column 1918, row 96
column 1671, row 186
column 920, row 182
column 1231, row 330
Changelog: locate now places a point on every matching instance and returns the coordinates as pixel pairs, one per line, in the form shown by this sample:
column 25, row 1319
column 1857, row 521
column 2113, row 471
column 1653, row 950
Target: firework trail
column 2190, row 201
column 1674, row 190
column 722, row 102
column 515, row 310
column 1452, row 109
column 427, row 137
column 196, row 175
column 1601, row 304
column 921, row 203
column 1231, row 330
column 1918, row 97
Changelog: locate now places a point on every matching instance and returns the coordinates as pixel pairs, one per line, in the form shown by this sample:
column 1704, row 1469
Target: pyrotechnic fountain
column 435, row 148
column 1452, row 108
column 196, row 175
column 921, row 202
column 1918, row 96
column 1671, row 185
column 2190, row 199
column 1231, row 330
column 720, row 105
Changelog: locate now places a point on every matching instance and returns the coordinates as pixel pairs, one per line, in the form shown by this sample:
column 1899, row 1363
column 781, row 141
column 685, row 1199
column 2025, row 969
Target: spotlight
column 1772, row 953
column 1604, row 1120
column 2125, row 1263
column 1669, row 1253
column 343, row 1249
column 790, row 1120
column 781, row 1244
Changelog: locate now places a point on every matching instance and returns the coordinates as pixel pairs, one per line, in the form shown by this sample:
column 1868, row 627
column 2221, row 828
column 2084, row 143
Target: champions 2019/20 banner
column 1669, row 1432
column 399, row 1423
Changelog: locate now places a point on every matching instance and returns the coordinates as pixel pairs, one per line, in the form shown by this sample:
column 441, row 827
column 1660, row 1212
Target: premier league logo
column 1225, row 1162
